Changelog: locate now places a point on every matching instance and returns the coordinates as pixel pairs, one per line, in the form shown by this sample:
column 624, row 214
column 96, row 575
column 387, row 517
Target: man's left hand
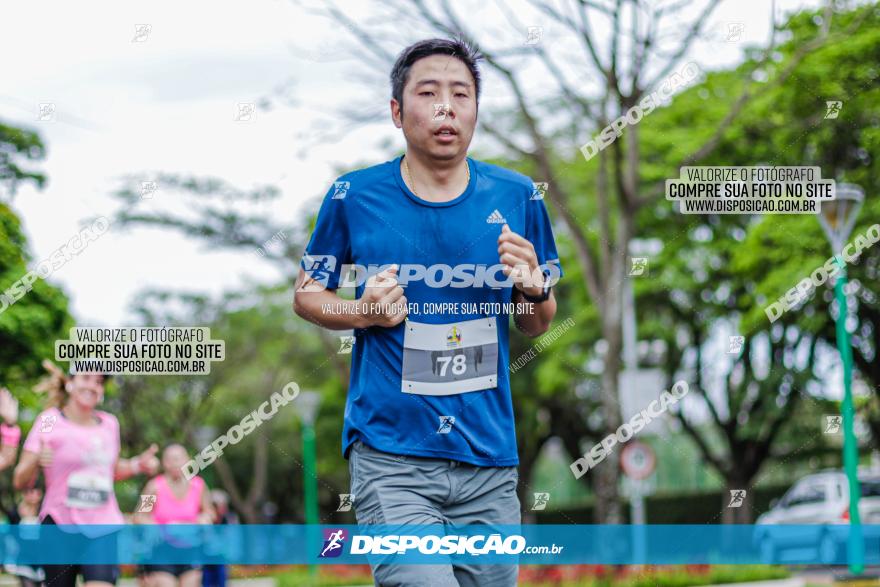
column 520, row 262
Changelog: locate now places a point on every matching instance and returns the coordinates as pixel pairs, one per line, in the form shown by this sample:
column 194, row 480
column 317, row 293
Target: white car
column 817, row 508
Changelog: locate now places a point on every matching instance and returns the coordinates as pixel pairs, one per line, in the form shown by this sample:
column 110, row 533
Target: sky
column 131, row 100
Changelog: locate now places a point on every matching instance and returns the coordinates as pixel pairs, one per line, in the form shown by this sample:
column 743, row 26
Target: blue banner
column 524, row 544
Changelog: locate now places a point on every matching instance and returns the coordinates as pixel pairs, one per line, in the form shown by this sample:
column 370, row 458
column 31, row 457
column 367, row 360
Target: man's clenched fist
column 383, row 302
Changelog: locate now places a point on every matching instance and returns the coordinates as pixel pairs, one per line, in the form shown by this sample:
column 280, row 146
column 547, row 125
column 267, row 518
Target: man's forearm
column 538, row 321
column 325, row 308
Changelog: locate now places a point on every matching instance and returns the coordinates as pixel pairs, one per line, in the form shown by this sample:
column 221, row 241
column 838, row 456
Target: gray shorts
column 391, row 489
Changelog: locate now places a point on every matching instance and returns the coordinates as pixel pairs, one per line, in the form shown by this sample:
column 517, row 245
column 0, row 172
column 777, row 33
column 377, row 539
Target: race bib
column 88, row 489
column 447, row 359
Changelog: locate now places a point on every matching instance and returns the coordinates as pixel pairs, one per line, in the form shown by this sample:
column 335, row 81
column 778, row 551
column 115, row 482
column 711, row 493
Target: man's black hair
column 459, row 48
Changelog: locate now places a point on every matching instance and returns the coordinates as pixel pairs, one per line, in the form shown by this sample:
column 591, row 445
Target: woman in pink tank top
column 175, row 500
column 77, row 448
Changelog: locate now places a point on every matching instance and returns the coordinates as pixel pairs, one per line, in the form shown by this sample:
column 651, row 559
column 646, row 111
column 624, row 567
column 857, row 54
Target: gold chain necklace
column 411, row 183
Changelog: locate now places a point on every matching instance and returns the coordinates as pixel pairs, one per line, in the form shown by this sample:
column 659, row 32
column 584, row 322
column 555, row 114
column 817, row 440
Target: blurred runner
column 215, row 575
column 77, row 448
column 27, row 513
column 29, row 506
column 10, row 433
column 176, row 501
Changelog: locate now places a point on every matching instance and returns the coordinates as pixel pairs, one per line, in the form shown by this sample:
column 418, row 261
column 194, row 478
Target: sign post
column 638, row 461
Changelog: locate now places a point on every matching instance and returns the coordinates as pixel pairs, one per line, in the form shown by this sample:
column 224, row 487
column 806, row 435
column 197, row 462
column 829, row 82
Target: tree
column 721, row 269
column 17, row 144
column 267, row 347
column 29, row 324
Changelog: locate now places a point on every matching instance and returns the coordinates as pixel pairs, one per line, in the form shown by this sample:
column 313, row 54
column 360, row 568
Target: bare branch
column 685, row 45
column 641, row 49
column 505, row 140
column 719, row 464
column 604, row 211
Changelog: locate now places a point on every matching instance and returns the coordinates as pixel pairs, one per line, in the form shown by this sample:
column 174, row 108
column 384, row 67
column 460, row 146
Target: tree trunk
column 608, row 508
column 247, row 507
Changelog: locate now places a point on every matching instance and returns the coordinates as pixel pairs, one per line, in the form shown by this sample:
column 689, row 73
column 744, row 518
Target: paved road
column 831, row 575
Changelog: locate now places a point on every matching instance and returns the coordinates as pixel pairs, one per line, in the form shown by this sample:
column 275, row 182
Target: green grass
column 717, row 575
column 327, row 577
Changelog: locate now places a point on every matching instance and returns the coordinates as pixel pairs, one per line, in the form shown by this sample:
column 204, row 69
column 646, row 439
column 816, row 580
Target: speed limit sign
column 638, row 460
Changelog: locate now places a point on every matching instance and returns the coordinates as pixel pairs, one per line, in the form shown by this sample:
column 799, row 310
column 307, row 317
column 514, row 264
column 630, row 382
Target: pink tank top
column 169, row 509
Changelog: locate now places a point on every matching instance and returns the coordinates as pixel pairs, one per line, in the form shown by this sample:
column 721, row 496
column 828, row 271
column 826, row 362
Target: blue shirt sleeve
column 539, row 232
column 330, row 245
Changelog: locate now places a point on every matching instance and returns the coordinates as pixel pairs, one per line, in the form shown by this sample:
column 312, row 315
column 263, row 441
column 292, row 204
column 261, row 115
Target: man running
column 429, row 429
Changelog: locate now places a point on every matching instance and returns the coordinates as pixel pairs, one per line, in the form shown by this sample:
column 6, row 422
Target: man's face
column 439, row 96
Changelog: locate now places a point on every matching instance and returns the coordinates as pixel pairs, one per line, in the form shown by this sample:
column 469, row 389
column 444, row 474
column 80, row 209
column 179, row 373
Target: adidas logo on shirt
column 496, row 218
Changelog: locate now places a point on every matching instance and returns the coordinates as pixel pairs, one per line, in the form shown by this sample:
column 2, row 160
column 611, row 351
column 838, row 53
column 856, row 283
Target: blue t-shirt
column 447, row 253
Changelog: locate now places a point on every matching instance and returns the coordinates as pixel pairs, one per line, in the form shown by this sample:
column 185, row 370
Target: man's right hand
column 383, row 303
